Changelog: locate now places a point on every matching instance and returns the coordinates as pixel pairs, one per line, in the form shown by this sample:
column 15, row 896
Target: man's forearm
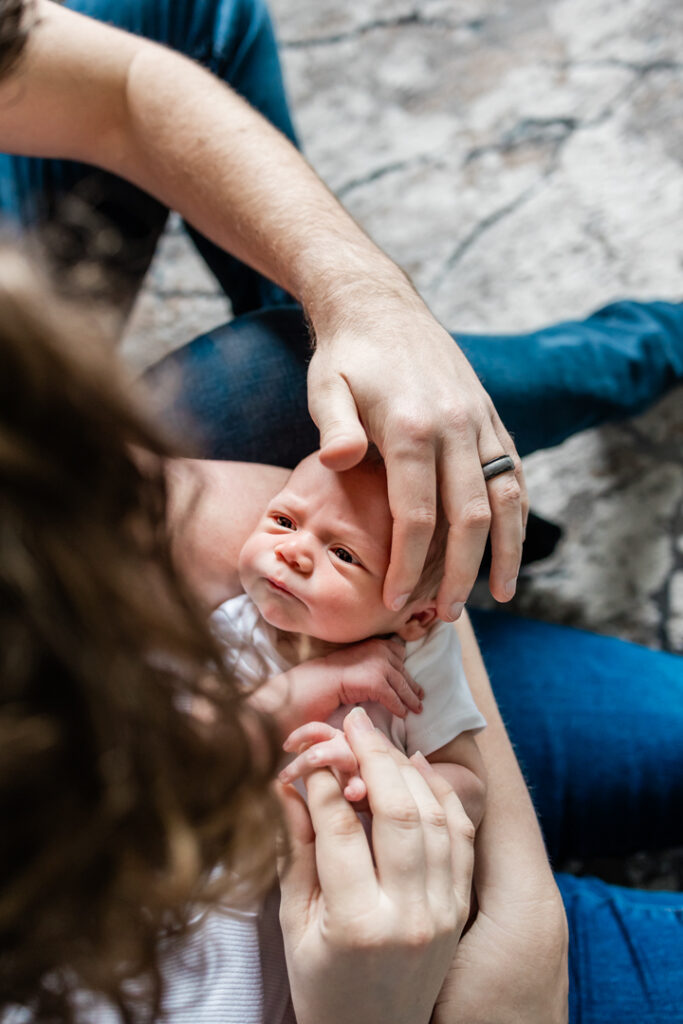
column 164, row 123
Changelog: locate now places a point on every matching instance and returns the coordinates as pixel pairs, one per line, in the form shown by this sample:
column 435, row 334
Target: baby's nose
column 294, row 552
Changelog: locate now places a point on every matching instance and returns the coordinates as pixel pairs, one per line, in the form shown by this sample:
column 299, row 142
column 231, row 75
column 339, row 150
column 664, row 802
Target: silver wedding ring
column 497, row 466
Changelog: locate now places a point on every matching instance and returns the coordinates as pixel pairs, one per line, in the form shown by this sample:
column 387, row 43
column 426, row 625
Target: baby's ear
column 421, row 619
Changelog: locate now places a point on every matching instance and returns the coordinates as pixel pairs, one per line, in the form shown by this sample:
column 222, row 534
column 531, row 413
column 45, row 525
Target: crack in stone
column 660, row 450
column 662, row 598
column 402, row 21
column 640, row 69
column 481, row 228
column 528, row 131
column 396, row 167
column 525, row 131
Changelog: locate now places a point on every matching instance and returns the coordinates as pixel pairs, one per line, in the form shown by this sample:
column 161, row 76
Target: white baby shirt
column 435, row 662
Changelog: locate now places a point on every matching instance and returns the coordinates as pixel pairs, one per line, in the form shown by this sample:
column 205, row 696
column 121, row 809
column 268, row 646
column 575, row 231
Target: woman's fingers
column 436, row 838
column 297, row 871
column 461, row 831
column 343, row 858
column 396, row 820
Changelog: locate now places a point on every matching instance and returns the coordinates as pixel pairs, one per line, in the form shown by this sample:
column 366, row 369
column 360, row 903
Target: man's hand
column 392, row 375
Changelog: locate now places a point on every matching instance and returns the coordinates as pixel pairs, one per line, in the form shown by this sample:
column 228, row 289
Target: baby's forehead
column 359, row 494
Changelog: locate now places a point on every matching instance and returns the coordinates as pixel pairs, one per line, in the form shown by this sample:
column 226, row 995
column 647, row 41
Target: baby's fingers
column 334, row 753
column 408, row 690
column 306, row 735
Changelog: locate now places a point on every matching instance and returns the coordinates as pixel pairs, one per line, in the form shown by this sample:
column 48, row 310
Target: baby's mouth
column 276, row 585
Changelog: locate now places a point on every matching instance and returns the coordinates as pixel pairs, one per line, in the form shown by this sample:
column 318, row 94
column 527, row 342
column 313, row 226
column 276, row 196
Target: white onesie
column 434, row 662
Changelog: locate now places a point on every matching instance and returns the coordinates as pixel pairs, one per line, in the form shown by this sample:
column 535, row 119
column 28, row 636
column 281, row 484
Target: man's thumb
column 343, row 441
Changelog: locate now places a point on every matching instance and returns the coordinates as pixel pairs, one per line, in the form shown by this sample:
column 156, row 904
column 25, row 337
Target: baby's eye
column 344, row 556
column 284, row 521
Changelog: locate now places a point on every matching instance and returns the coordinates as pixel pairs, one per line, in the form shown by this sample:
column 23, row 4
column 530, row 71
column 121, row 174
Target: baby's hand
column 319, row 745
column 373, row 670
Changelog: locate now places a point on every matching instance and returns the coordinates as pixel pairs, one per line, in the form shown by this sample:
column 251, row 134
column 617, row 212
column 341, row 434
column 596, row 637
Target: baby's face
column 317, row 560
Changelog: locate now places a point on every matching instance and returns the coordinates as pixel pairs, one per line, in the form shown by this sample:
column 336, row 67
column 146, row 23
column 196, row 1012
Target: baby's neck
column 298, row 647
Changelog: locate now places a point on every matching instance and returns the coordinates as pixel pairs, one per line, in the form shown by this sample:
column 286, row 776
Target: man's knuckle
column 457, row 420
column 418, row 517
column 509, row 493
column 477, row 515
column 416, row 429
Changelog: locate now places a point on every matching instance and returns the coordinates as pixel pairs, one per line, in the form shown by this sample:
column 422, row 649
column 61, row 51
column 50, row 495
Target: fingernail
column 359, row 720
column 455, row 610
column 510, row 588
column 284, row 775
column 399, row 602
column 420, row 761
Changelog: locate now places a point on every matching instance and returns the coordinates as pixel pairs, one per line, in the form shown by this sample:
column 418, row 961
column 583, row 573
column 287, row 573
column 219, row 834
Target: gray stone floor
column 522, row 160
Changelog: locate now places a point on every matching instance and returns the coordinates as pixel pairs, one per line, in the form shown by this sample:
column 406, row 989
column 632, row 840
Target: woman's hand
column 371, row 943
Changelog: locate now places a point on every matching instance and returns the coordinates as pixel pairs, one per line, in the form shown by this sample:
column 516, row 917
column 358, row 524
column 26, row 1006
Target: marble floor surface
column 522, row 160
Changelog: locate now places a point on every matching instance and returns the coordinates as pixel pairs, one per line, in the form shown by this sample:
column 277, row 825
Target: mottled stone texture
column 522, row 160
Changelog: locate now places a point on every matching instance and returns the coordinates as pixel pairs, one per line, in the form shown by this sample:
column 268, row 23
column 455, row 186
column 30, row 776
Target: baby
column 313, row 572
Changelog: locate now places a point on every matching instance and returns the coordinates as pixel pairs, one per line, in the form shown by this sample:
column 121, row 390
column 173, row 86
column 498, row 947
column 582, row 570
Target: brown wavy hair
column 118, row 801
column 16, row 19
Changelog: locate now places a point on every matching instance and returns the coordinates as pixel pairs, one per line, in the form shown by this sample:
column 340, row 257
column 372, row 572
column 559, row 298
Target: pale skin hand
column 372, row 942
column 383, row 369
column 370, row 670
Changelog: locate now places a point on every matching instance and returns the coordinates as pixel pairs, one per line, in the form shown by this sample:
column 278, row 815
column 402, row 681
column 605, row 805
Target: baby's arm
column 461, row 764
column 369, row 671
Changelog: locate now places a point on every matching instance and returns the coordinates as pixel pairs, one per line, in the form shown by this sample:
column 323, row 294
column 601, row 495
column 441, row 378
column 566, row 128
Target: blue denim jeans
column 597, row 723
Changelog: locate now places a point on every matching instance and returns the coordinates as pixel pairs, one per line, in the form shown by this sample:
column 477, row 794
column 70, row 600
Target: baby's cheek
column 245, row 562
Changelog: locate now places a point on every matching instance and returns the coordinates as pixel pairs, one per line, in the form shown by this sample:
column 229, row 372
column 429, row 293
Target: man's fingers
column 343, row 441
column 466, row 505
column 507, row 535
column 508, row 446
column 411, row 484
column 505, row 500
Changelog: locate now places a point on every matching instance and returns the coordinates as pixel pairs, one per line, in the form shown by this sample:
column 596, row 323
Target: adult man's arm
column 383, row 367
